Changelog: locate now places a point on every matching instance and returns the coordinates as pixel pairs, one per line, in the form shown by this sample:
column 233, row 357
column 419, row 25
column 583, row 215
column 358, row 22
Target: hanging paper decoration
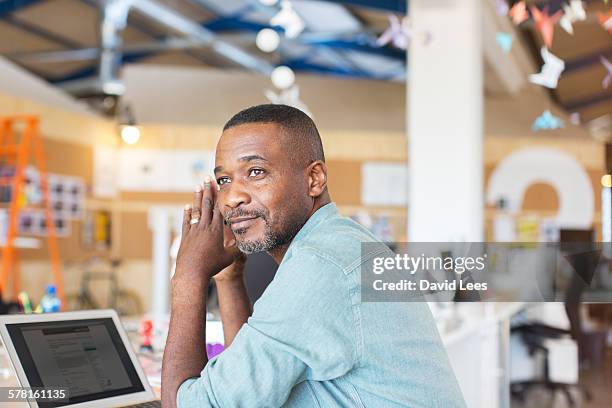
column 504, row 40
column 608, row 65
column 547, row 121
column 572, row 12
column 545, row 23
column 397, row 33
column 550, row 71
column 290, row 96
column 289, row 20
column 501, row 7
column 605, row 19
column 518, row 12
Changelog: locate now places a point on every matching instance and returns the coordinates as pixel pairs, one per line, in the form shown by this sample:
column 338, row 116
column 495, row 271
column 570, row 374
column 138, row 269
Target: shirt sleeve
column 302, row 328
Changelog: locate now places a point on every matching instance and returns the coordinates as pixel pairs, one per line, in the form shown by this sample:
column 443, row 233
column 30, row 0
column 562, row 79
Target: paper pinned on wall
column 105, row 172
column 384, row 184
column 163, row 171
column 190, row 167
column 143, row 170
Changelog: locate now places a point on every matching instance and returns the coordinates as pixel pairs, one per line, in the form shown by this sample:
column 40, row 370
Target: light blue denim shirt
column 311, row 342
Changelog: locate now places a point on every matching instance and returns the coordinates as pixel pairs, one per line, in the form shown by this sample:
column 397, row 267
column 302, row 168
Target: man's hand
column 235, row 271
column 201, row 256
column 202, row 253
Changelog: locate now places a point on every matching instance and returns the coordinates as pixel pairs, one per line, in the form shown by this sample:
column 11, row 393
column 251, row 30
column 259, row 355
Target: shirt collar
column 327, row 211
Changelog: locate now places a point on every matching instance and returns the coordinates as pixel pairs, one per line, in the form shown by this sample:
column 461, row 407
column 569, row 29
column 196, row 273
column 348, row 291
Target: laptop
column 86, row 353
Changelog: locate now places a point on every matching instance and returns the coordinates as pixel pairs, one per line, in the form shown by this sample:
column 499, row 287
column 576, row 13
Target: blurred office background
column 446, row 121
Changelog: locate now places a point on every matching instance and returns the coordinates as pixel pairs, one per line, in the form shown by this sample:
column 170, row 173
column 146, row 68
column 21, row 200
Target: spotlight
column 267, row 40
column 283, row 77
column 130, row 134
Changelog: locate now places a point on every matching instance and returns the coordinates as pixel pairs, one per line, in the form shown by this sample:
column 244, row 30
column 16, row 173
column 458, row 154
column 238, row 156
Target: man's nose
column 235, row 195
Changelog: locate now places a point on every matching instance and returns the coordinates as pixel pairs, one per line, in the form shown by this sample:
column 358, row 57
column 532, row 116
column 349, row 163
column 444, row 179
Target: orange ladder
column 17, row 154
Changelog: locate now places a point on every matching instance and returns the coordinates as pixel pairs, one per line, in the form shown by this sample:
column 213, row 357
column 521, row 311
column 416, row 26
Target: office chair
column 534, row 335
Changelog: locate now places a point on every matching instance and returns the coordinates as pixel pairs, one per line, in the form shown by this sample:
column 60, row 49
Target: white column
column 160, row 224
column 445, row 121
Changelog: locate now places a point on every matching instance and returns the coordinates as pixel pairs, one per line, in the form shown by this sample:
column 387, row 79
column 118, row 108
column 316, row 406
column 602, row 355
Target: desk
column 476, row 337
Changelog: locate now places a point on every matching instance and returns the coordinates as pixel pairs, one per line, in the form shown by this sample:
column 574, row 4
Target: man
column 310, row 341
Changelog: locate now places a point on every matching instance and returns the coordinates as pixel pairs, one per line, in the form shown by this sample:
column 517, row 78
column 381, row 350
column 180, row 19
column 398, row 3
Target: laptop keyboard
column 150, row 404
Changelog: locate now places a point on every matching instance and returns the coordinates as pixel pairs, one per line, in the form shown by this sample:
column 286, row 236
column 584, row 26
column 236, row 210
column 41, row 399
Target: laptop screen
column 86, row 357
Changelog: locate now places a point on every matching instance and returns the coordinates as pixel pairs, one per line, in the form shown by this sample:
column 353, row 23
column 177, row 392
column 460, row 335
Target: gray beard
column 269, row 241
column 251, row 247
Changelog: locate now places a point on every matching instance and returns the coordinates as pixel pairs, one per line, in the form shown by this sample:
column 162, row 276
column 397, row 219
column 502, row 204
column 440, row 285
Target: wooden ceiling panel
column 189, row 9
column 375, row 20
column 133, row 36
column 57, row 70
column 582, row 83
column 589, row 38
column 596, row 110
column 13, row 39
column 72, row 19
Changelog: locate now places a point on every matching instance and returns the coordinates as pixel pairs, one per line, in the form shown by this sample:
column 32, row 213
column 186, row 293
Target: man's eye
column 256, row 172
column 223, row 180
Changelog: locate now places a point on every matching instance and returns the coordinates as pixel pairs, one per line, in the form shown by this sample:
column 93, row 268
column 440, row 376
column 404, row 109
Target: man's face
column 263, row 192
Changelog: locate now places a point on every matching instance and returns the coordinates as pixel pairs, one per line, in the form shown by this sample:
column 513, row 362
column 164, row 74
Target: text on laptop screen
column 86, row 357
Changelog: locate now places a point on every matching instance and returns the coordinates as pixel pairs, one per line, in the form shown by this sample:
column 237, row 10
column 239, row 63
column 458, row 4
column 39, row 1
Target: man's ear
column 317, row 178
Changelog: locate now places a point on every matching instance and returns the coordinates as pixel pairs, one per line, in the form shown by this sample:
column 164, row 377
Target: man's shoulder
column 338, row 240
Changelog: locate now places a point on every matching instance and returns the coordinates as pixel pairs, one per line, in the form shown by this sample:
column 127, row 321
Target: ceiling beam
column 42, row 32
column 584, row 61
column 114, row 21
column 395, row 6
column 579, row 104
column 10, row 6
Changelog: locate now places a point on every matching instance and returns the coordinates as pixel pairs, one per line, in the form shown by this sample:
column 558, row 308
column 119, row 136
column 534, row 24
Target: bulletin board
column 72, row 160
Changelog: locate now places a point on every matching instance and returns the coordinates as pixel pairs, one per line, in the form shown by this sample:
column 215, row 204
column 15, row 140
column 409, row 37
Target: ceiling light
column 283, row 77
column 267, row 40
column 130, row 134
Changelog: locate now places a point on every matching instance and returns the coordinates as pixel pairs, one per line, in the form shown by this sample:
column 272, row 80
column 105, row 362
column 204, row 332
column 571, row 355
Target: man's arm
column 185, row 350
column 303, row 328
column 201, row 255
column 234, row 302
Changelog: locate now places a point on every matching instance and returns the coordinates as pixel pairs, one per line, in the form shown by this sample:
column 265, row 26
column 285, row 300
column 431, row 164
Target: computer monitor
column 85, row 353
